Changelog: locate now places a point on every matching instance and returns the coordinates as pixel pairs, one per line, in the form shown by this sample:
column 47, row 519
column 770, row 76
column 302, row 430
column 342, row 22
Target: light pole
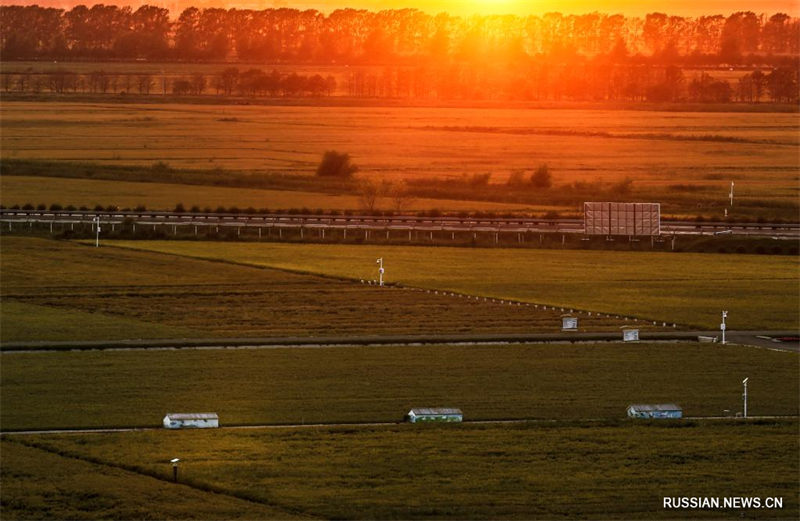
column 96, row 221
column 744, row 382
column 174, row 462
column 722, row 326
column 731, row 194
column 380, row 271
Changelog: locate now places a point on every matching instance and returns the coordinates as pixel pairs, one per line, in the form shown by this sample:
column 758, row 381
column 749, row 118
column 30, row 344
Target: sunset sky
column 684, row 7
column 466, row 7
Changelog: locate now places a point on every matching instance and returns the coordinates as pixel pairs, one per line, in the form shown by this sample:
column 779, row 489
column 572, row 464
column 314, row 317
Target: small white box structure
column 662, row 411
column 569, row 323
column 630, row 335
column 631, row 219
column 434, row 414
column 197, row 420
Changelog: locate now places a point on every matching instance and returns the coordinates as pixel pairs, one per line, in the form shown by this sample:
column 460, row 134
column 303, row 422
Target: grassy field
column 362, row 384
column 695, row 155
column 57, row 290
column 39, row 484
column 686, row 288
column 91, row 192
column 597, row 471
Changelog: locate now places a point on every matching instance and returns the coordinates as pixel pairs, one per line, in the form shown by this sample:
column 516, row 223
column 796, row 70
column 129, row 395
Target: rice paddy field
column 39, row 484
column 760, row 292
column 574, row 455
column 687, row 152
column 21, row 190
column 480, row 472
column 381, row 383
column 56, row 290
column 567, row 450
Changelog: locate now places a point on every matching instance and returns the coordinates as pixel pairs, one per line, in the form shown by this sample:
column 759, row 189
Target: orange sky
column 632, row 7
column 465, row 7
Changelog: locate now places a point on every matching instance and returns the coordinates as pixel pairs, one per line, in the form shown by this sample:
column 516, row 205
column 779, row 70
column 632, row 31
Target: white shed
column 197, row 420
column 437, row 414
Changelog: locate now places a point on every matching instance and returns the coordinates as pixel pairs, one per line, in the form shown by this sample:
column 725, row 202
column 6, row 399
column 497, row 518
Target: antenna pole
column 745, row 395
column 722, row 326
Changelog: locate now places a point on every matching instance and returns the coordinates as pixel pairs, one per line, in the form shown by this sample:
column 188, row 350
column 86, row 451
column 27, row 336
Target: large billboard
column 632, row 219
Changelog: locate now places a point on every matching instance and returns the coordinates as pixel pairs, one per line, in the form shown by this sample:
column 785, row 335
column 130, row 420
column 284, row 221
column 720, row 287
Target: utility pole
column 96, row 221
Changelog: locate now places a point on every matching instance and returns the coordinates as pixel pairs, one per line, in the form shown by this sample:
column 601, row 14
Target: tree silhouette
column 541, row 178
column 334, row 164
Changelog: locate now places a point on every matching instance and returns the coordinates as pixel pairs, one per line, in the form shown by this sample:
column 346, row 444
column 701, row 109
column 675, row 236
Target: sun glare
column 494, row 6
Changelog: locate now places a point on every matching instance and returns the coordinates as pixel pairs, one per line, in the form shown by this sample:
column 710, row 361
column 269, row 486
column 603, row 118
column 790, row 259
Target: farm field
column 164, row 196
column 761, row 292
column 57, row 290
column 528, row 471
column 38, row 484
column 380, row 383
column 690, row 155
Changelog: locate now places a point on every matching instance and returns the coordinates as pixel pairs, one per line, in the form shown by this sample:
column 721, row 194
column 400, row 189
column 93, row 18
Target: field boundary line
column 617, row 421
column 372, row 340
column 209, row 489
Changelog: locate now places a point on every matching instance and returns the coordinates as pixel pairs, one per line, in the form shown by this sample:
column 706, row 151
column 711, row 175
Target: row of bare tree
column 387, row 37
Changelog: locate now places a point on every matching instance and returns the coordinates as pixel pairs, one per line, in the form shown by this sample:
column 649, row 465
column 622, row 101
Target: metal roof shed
column 658, row 411
column 437, row 414
column 197, row 420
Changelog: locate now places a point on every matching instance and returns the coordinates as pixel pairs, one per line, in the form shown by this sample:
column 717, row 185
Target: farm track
column 762, row 339
column 372, row 424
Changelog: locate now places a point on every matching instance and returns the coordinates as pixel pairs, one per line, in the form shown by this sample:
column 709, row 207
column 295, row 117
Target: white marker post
column 731, row 194
column 744, row 382
column 97, row 231
column 174, row 462
column 722, row 326
column 380, row 271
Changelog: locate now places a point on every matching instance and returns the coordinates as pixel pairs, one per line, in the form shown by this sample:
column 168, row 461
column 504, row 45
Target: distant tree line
column 589, row 82
column 229, row 82
column 389, row 37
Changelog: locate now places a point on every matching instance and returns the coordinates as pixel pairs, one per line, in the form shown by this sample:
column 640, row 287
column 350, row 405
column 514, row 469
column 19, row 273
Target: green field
column 57, row 290
column 362, row 384
column 688, row 158
column 39, row 484
column 761, row 292
column 533, row 471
